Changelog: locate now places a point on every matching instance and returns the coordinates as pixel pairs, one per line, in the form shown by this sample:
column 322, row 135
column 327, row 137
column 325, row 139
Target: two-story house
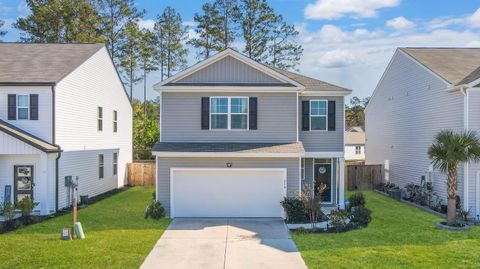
column 64, row 114
column 422, row 92
column 237, row 136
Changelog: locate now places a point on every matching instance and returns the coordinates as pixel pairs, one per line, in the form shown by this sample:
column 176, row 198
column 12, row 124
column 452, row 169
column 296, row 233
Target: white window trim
column 229, row 113
column 27, row 106
column 101, row 165
column 115, row 121
column 326, row 115
column 314, row 162
column 99, row 118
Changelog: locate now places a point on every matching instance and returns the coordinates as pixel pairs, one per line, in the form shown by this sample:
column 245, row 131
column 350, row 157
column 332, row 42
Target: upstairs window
column 23, row 107
column 100, row 118
column 115, row 163
column 358, row 150
column 318, row 115
column 115, row 122
column 229, row 113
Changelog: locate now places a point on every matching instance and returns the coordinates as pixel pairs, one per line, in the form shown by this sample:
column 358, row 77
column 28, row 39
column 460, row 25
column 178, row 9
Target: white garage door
column 227, row 192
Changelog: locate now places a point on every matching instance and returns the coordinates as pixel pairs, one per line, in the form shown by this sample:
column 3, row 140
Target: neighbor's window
column 358, row 150
column 228, row 113
column 115, row 163
column 101, row 166
column 318, row 115
column 100, row 118
column 23, row 107
column 115, row 121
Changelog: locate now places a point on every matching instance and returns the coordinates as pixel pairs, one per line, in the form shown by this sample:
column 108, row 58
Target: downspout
column 466, row 167
column 60, row 150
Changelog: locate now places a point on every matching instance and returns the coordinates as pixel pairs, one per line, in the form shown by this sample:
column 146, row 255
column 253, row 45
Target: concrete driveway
column 225, row 243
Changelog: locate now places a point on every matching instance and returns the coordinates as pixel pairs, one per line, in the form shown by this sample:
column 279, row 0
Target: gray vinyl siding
column 164, row 165
column 326, row 141
column 230, row 70
column 409, row 107
column 181, row 119
column 309, row 176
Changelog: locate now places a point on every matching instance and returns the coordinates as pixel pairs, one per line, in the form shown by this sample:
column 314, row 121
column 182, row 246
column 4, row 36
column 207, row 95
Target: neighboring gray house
column 238, row 136
column 424, row 91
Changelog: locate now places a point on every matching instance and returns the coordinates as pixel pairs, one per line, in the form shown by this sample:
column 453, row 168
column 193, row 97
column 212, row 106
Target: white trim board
column 226, row 154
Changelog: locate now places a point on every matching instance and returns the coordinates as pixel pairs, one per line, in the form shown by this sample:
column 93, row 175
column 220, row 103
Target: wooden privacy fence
column 363, row 177
column 141, row 173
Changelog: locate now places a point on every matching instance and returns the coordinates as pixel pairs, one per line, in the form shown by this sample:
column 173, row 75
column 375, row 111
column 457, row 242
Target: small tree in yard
column 312, row 202
column 448, row 151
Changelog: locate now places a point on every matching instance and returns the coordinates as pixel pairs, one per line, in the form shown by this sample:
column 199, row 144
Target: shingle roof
column 355, row 136
column 27, row 138
column 471, row 77
column 452, row 64
column 310, row 84
column 229, row 147
column 41, row 63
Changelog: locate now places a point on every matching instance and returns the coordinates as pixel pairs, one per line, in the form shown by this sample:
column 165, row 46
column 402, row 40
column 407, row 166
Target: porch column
column 42, row 187
column 341, row 185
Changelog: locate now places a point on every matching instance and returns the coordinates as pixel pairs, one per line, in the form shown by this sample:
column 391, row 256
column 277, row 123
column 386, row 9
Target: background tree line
column 250, row 26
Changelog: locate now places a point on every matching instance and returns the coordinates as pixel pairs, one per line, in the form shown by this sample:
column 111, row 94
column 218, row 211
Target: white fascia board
column 236, row 55
column 326, row 93
column 226, row 154
column 332, row 154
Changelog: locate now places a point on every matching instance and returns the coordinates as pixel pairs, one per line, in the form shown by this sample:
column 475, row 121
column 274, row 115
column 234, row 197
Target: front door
column 23, row 182
column 323, row 174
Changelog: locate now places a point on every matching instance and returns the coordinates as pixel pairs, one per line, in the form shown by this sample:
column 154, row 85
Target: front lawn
column 399, row 236
column 117, row 236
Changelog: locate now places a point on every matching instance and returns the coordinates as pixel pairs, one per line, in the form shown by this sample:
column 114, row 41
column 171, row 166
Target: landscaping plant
column 155, row 210
column 26, row 206
column 312, row 202
column 338, row 219
column 449, row 150
column 295, row 210
column 357, row 199
column 361, row 216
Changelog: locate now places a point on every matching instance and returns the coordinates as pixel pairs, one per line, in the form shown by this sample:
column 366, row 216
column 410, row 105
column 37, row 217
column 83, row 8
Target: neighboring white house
column 354, row 144
column 424, row 91
column 63, row 112
column 238, row 136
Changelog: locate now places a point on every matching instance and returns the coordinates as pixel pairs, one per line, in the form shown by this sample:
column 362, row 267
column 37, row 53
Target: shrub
column 338, row 219
column 357, row 199
column 155, row 210
column 26, row 206
column 8, row 211
column 361, row 215
column 312, row 202
column 295, row 210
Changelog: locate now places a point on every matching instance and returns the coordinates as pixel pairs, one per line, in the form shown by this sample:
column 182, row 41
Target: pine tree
column 171, row 36
column 283, row 50
column 227, row 26
column 129, row 55
column 209, row 38
column 147, row 60
column 62, row 21
column 258, row 20
column 2, row 32
column 116, row 15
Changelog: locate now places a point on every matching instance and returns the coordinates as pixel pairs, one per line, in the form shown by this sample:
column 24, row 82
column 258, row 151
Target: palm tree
column 448, row 151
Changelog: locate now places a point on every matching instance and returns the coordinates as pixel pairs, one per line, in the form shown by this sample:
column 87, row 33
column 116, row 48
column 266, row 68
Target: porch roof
column 28, row 138
column 229, row 147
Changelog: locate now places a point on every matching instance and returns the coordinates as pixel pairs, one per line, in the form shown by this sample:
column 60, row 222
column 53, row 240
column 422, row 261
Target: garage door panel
column 228, row 193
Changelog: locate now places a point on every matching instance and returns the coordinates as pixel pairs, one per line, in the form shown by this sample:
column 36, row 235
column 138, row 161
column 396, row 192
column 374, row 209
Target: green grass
column 399, row 236
column 117, row 236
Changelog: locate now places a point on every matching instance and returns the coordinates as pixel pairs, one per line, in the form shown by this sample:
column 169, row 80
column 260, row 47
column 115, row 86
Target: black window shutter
column 331, row 115
column 12, row 107
column 252, row 111
column 205, row 113
column 34, row 106
column 305, row 115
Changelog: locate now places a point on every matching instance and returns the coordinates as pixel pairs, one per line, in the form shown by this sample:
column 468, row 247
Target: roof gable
column 24, row 63
column 451, row 64
column 229, row 68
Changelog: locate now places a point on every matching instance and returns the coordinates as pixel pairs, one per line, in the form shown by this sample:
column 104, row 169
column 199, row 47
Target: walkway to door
column 225, row 243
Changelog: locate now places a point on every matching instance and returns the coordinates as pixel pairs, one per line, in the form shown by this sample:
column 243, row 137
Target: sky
column 346, row 42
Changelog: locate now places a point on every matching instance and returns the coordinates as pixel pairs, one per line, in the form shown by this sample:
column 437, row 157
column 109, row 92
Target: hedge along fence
column 141, row 173
column 363, row 177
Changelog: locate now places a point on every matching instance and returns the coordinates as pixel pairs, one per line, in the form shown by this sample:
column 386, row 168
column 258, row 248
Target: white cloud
column 336, row 59
column 146, row 24
column 399, row 23
column 474, row 19
column 334, row 9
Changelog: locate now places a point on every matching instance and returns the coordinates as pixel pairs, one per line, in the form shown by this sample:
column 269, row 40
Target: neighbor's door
column 23, row 182
column 323, row 174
